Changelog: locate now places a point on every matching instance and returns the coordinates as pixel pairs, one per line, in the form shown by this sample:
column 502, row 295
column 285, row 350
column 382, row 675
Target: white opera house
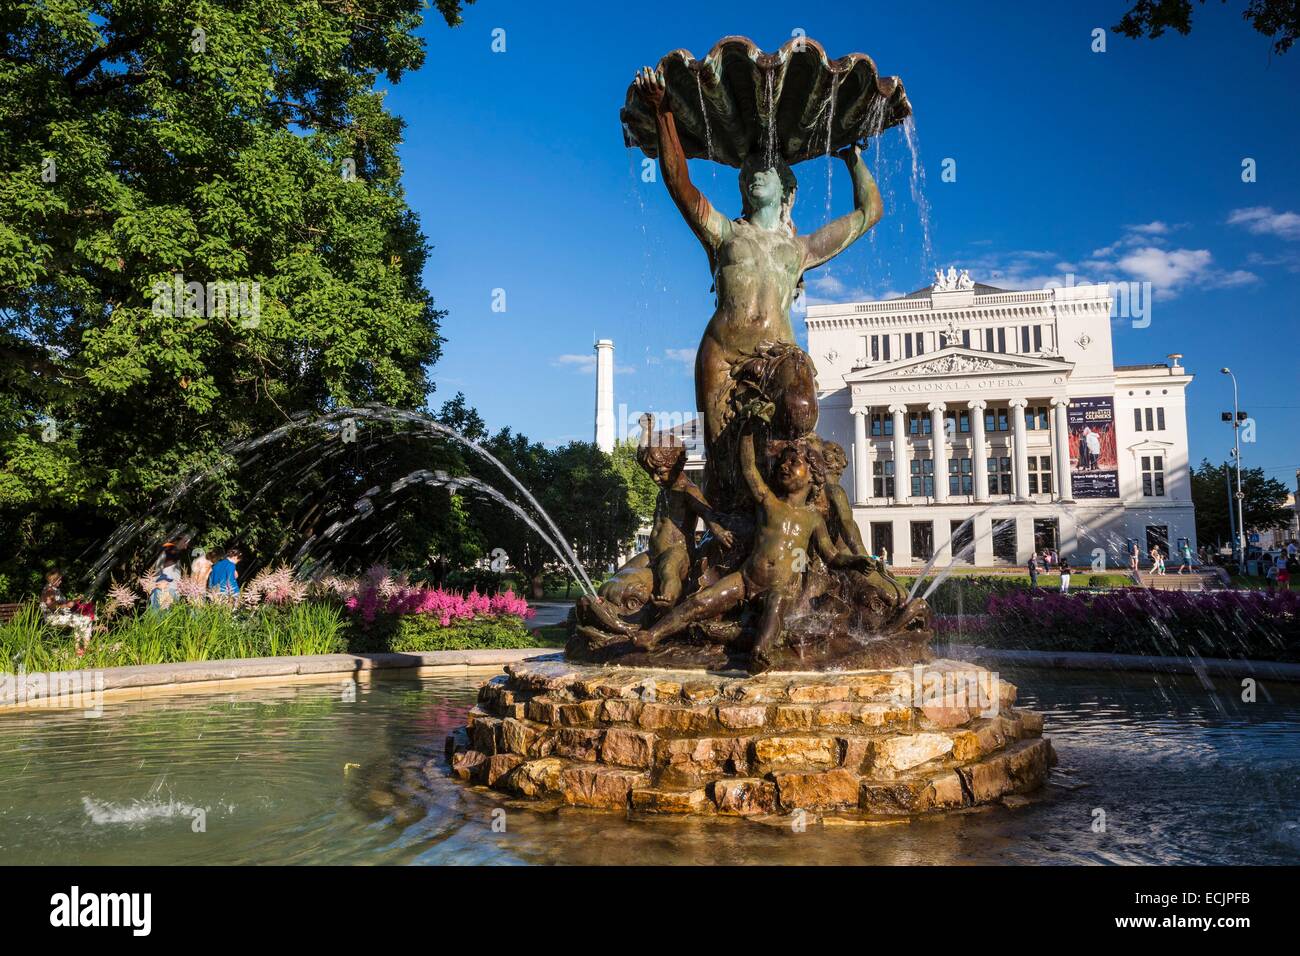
column 962, row 400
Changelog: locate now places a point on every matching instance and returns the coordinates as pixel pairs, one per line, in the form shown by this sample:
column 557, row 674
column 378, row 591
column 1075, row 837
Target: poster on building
column 1094, row 465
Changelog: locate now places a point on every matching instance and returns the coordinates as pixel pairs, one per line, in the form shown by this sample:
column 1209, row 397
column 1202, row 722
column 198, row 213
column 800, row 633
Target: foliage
column 1264, row 502
column 970, row 593
column 1254, row 625
column 421, row 632
column 182, row 633
column 642, row 492
column 580, row 489
column 1279, row 19
column 146, row 140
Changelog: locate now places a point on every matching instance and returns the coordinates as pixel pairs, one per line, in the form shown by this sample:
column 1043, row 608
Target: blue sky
column 1125, row 164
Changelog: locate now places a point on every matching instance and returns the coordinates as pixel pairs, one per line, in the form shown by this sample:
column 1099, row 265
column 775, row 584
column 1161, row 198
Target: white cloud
column 1265, row 221
column 685, row 356
column 586, row 364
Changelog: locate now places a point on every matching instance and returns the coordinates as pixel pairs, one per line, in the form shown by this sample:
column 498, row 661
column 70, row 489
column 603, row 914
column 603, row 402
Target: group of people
column 1158, row 558
column 1045, row 562
column 220, row 576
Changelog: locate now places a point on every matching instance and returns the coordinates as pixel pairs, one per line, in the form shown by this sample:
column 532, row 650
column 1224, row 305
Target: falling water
column 969, row 549
column 251, row 450
column 364, row 507
column 704, row 116
column 769, row 109
column 830, row 132
column 918, row 190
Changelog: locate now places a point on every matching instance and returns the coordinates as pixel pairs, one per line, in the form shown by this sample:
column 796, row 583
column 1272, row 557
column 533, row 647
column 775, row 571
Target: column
column 1061, row 449
column 978, row 451
column 1019, row 448
column 861, row 466
column 939, row 451
column 902, row 473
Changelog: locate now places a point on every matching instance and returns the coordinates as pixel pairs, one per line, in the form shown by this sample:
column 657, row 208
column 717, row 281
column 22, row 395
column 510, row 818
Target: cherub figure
column 678, row 508
column 834, row 500
column 773, row 573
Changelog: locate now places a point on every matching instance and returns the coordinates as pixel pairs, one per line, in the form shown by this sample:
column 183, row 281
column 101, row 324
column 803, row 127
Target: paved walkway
column 549, row 612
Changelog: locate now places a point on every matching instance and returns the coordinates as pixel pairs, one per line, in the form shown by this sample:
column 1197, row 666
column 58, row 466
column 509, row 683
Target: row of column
column 979, row 453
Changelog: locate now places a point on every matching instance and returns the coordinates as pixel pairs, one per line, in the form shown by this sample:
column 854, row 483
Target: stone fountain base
column 877, row 744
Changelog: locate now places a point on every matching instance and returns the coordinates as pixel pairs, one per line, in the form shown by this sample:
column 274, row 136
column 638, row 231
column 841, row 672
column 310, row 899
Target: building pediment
column 958, row 362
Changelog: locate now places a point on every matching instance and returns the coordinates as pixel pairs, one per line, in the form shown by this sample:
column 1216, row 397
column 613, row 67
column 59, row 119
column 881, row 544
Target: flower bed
column 275, row 614
column 1230, row 624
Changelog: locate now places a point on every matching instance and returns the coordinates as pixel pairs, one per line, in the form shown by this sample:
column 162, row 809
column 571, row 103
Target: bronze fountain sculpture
column 844, row 713
column 782, row 579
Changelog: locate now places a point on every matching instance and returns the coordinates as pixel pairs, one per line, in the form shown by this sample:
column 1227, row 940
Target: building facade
column 987, row 424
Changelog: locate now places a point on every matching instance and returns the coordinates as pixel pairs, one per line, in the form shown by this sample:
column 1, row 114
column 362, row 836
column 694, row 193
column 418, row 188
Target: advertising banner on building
column 1094, row 465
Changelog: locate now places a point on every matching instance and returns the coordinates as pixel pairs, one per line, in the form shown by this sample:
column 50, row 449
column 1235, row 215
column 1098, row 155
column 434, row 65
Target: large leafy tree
column 1264, row 502
column 149, row 143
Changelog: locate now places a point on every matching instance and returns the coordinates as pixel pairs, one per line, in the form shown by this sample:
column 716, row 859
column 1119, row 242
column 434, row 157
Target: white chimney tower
column 605, row 395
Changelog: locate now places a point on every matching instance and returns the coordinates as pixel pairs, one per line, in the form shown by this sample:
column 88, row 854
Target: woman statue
column 757, row 263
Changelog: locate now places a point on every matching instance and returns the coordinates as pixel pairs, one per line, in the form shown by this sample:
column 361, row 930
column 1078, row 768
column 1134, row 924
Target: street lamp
column 1236, row 454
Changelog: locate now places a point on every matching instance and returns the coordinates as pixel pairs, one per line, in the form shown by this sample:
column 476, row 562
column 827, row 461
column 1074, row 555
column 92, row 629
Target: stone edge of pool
column 44, row 691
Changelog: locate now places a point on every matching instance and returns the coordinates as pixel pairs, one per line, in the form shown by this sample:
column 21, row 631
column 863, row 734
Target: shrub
column 1233, row 624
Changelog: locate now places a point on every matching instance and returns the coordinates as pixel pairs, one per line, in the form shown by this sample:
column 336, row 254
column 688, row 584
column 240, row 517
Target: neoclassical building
column 993, row 423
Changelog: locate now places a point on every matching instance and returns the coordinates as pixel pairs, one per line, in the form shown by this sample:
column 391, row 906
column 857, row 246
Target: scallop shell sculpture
column 794, row 104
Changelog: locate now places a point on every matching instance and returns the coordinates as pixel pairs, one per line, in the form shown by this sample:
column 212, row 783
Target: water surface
column 1185, row 772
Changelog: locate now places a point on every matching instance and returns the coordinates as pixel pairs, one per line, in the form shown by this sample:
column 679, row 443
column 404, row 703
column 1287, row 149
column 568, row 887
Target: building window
column 1036, row 418
column 1004, row 540
column 880, row 348
column 918, row 423
column 957, row 422
column 996, row 420
column 907, row 345
column 1040, row 474
column 1153, row 476
column 922, row 540
column 882, row 424
column 922, row 477
column 1153, row 424
column 1024, row 338
column 960, row 480
column 882, row 478
column 1002, row 340
column 988, row 340
column 999, row 476
column 1038, row 338
column 965, row 337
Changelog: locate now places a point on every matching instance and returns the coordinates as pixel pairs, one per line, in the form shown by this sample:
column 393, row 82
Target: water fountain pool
column 1186, row 773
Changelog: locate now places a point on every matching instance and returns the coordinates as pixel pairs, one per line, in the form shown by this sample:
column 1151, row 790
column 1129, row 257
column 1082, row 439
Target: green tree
column 642, row 492
column 244, row 148
column 578, row 487
column 1279, row 19
column 1264, row 502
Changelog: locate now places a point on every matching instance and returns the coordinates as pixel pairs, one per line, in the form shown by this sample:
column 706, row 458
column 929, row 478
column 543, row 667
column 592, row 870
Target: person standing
column 224, row 577
column 1187, row 559
column 200, row 567
column 1065, row 576
column 1033, row 570
column 1134, row 556
column 1157, row 560
column 167, row 582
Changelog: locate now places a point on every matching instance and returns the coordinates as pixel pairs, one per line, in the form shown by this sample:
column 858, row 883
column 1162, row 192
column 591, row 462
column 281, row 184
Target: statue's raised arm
column 836, row 236
column 706, row 222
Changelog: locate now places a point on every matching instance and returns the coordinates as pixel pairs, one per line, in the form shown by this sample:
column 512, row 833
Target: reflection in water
column 1185, row 772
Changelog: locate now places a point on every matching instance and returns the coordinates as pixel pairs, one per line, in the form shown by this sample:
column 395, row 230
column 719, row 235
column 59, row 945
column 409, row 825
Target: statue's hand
column 650, row 87
column 723, row 535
